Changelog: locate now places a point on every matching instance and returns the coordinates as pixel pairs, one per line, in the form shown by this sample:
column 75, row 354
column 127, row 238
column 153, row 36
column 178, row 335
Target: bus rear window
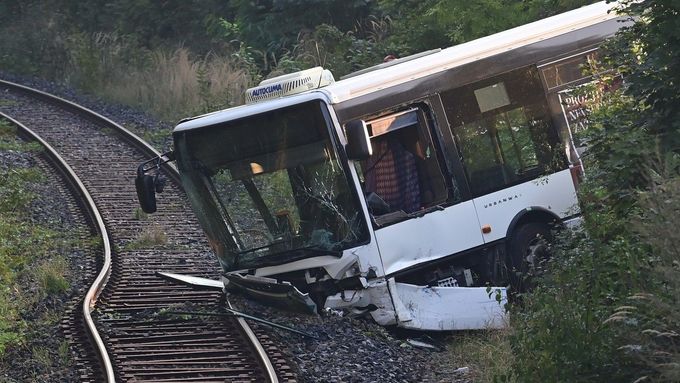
column 569, row 71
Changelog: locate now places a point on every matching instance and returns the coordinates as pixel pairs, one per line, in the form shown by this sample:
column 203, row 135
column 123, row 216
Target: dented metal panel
column 448, row 308
column 432, row 236
column 278, row 294
column 375, row 299
column 190, row 280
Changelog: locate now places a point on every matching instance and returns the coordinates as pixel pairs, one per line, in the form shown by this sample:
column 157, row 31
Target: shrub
column 651, row 320
column 608, row 308
column 558, row 332
column 33, row 40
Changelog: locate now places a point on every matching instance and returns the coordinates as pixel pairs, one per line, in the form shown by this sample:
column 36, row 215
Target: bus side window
column 403, row 174
column 569, row 101
column 503, row 130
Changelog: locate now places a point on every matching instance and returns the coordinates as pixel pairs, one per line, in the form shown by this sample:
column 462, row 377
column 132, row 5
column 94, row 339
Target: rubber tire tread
column 517, row 250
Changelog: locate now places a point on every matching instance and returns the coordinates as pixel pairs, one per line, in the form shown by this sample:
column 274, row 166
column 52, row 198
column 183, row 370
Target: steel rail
column 93, row 292
column 171, row 170
column 259, row 350
column 130, row 137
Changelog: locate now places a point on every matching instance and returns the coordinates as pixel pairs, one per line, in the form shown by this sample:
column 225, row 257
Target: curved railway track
column 136, row 340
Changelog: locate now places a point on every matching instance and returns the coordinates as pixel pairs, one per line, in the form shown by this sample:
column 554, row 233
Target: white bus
column 413, row 191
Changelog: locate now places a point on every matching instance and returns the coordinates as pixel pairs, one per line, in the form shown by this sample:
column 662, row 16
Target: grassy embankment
column 34, row 273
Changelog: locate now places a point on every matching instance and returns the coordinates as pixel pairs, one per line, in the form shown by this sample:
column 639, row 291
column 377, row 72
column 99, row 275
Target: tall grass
column 651, row 319
column 52, row 276
column 168, row 84
column 175, row 85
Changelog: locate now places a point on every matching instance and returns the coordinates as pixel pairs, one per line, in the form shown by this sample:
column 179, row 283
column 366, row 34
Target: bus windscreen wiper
column 255, row 249
column 312, row 250
column 290, row 255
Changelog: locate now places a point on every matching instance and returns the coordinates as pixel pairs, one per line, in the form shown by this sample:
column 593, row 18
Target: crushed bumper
column 269, row 291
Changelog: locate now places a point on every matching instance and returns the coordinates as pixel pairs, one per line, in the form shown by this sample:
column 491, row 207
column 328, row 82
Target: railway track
column 130, row 329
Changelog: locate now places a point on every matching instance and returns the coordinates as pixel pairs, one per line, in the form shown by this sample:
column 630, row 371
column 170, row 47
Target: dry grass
column 153, row 236
column 486, row 353
column 169, row 84
column 472, row 356
column 175, row 85
column 651, row 320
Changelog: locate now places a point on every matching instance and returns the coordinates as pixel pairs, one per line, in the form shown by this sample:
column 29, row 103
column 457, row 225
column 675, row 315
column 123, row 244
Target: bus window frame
column 554, row 102
column 428, row 109
column 452, row 157
column 553, row 131
column 556, row 60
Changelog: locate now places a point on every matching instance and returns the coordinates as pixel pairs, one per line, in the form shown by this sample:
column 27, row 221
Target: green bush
column 558, row 329
column 33, row 40
column 650, row 320
column 607, row 310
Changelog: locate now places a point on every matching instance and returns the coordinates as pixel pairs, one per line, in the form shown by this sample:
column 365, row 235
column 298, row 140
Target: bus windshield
column 270, row 189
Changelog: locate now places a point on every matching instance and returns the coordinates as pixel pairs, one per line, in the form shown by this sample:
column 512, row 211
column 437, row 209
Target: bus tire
column 528, row 248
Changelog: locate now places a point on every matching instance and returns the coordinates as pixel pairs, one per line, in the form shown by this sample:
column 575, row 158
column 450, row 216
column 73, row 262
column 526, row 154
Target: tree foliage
column 273, row 27
column 151, row 23
column 346, row 35
column 608, row 309
column 421, row 25
column 650, row 60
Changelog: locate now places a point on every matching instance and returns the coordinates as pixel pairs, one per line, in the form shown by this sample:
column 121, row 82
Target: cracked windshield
column 279, row 185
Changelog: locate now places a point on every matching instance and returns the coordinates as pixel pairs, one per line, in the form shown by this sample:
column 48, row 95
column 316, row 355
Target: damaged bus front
column 272, row 187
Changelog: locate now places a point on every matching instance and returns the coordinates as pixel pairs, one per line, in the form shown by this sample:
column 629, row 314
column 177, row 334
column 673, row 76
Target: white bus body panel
column 448, row 308
column 244, row 111
column 554, row 192
column 335, row 267
column 432, row 236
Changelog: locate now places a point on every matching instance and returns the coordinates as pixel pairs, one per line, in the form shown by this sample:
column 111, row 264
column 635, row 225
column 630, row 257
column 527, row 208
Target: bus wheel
column 529, row 247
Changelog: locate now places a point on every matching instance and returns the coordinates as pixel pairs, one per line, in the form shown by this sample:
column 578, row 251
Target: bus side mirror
column 358, row 143
column 148, row 185
column 146, row 191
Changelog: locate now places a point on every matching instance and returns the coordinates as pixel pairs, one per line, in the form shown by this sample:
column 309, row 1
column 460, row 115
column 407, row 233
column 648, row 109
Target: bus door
column 412, row 199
